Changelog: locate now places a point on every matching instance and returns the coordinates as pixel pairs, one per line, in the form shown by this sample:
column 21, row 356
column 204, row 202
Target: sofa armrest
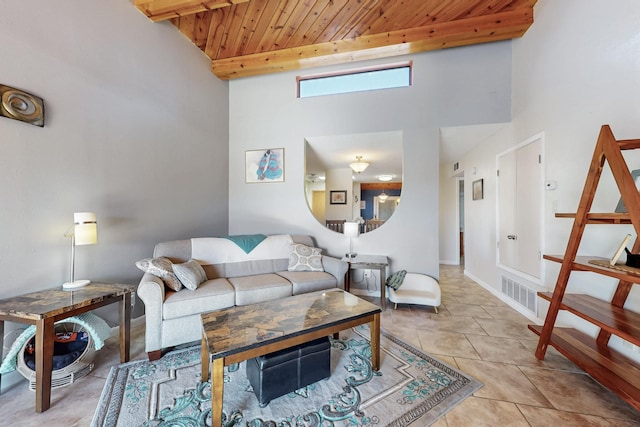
column 152, row 293
column 335, row 267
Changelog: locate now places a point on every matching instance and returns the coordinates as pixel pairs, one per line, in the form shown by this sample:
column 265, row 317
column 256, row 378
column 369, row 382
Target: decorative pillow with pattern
column 161, row 267
column 190, row 273
column 395, row 280
column 305, row 258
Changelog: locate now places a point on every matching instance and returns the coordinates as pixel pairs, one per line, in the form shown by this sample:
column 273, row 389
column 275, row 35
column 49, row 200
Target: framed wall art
column 266, row 165
column 338, row 197
column 477, row 189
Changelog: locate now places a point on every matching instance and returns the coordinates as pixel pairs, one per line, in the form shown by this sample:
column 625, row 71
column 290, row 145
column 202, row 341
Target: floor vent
column 520, row 293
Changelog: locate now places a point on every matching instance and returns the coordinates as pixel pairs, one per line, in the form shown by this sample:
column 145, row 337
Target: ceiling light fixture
column 385, row 177
column 359, row 166
column 383, row 196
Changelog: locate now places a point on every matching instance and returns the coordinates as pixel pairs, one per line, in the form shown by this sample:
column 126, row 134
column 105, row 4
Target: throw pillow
column 161, row 267
column 190, row 273
column 395, row 280
column 305, row 258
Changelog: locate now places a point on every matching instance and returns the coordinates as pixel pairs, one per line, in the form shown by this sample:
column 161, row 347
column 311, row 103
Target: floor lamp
column 351, row 230
column 85, row 232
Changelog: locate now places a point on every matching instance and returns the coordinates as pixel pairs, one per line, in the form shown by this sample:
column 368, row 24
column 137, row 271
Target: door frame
column 541, row 189
column 459, row 178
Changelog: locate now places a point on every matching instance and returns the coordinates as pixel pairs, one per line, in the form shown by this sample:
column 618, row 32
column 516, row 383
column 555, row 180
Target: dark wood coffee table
column 240, row 333
column 44, row 308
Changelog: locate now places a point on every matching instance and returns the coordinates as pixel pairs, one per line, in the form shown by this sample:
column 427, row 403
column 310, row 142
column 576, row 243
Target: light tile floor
column 482, row 336
column 473, row 331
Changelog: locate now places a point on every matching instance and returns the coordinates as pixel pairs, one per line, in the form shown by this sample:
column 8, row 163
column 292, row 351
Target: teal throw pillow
column 395, row 280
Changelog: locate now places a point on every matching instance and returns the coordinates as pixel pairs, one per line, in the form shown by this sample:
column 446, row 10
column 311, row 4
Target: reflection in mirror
column 383, row 209
column 335, row 193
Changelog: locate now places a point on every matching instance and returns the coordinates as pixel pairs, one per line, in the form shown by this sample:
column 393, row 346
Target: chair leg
column 395, row 306
column 436, row 309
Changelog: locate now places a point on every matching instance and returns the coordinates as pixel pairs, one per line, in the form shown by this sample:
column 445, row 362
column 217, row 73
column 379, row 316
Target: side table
column 44, row 308
column 373, row 262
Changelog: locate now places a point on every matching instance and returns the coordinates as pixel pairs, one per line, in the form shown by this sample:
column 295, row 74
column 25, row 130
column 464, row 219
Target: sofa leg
column 154, row 355
column 395, row 306
column 436, row 309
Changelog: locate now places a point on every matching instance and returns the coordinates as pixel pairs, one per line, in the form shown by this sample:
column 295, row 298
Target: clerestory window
column 385, row 77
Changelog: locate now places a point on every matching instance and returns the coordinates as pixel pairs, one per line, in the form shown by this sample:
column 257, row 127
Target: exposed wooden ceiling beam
column 161, row 10
column 381, row 186
column 463, row 32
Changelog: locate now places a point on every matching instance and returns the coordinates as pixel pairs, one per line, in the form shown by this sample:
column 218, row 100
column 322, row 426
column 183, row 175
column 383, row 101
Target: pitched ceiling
column 252, row 37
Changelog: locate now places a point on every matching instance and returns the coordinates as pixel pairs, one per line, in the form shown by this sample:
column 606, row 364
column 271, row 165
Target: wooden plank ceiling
column 251, row 37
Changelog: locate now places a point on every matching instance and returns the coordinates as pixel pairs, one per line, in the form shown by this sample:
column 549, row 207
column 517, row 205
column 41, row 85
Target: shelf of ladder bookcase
column 616, row 320
column 581, row 263
column 611, row 369
column 601, row 217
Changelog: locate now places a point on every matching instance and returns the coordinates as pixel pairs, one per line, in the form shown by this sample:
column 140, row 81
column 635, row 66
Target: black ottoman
column 276, row 374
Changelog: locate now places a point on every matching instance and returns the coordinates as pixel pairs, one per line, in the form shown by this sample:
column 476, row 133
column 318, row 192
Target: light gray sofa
column 233, row 278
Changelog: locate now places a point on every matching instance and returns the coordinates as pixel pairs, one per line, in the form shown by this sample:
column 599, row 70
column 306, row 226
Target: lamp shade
column 85, row 228
column 359, row 166
column 351, row 229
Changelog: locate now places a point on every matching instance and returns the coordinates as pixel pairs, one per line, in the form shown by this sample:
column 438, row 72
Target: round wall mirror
column 353, row 178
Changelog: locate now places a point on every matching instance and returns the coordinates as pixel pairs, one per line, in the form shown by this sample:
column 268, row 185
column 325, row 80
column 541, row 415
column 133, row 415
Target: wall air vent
column 521, row 294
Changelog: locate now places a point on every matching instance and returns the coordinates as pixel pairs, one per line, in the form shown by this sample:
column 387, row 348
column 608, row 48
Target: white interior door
column 507, row 214
column 519, row 208
column 318, row 205
column 528, row 202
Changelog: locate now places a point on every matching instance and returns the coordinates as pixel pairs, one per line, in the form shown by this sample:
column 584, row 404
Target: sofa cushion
column 218, row 250
column 249, row 268
column 309, row 281
column 221, row 257
column 190, row 273
column 161, row 267
column 305, row 258
column 210, row 295
column 260, row 287
column 177, row 250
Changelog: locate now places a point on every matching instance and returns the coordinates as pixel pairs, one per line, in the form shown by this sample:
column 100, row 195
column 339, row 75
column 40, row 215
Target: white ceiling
column 382, row 150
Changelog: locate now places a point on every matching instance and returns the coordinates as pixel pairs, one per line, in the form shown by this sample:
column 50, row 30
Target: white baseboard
column 526, row 313
column 365, row 292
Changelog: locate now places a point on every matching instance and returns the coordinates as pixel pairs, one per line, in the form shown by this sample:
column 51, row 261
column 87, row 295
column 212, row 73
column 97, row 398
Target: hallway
column 479, row 334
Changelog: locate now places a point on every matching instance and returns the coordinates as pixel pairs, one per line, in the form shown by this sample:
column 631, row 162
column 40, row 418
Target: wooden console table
column 373, row 262
column 44, row 308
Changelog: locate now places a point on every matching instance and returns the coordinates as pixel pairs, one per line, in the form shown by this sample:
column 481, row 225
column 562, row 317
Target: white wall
column 451, row 87
column 338, row 180
column 136, row 130
column 571, row 74
column 449, row 223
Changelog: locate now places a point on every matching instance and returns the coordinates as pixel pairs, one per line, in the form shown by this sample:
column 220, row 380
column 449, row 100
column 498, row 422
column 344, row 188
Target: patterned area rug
column 411, row 387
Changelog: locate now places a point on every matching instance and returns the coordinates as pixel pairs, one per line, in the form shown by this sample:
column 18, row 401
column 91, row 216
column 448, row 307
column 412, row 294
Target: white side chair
column 417, row 289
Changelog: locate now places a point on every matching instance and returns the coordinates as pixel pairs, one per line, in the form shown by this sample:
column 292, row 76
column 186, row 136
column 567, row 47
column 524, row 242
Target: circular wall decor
column 19, row 105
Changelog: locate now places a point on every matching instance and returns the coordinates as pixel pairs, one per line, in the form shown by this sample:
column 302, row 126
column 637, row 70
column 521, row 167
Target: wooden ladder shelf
column 610, row 368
